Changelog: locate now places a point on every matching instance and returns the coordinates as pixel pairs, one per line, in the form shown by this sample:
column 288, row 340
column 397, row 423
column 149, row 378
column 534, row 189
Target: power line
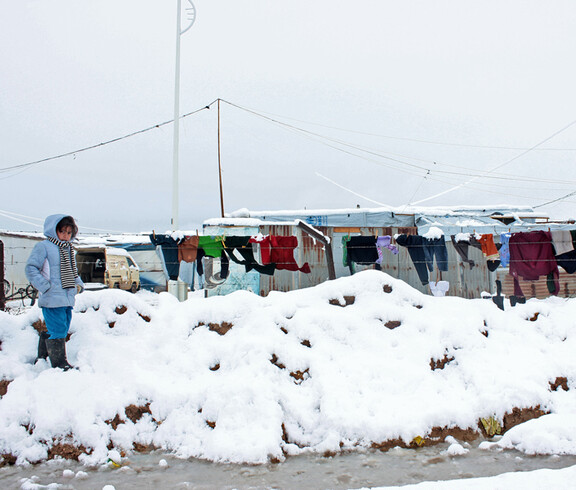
column 431, row 142
column 98, row 145
column 464, row 171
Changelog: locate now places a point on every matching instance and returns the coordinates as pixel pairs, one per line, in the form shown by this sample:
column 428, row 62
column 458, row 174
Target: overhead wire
column 415, row 140
column 507, row 162
column 98, row 145
column 465, row 171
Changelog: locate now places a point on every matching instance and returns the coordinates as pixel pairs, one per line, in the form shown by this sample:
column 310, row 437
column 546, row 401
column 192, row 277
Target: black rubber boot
column 42, row 350
column 57, row 353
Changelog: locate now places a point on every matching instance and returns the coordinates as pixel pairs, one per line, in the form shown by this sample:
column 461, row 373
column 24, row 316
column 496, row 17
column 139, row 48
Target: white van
column 107, row 267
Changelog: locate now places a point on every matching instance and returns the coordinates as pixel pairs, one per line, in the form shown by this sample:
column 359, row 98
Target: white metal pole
column 176, row 123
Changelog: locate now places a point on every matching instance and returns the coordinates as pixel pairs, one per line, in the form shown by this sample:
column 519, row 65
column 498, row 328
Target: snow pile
column 364, row 361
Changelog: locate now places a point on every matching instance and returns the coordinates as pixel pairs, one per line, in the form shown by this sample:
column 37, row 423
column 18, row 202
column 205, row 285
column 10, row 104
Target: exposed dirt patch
column 66, row 451
column 348, row 300
column 211, row 424
column 135, row 413
column 111, row 324
column 7, row 459
column 392, row 324
column 284, row 330
column 387, row 445
column 418, row 307
column 466, row 435
column 120, row 310
column 40, row 326
column 534, row 317
column 440, row 363
column 215, row 367
column 219, row 328
column 300, row 376
column 520, row 415
column 146, row 318
column 115, row 422
column 143, row 448
column 485, row 333
column 559, row 382
column 274, row 360
column 306, row 343
column 387, row 288
column 4, row 386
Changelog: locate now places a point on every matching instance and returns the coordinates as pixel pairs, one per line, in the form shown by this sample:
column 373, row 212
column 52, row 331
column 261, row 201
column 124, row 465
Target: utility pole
column 220, row 165
column 190, row 18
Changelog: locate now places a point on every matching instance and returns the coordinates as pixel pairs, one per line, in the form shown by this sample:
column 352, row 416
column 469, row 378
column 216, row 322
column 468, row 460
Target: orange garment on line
column 489, row 247
column 188, row 249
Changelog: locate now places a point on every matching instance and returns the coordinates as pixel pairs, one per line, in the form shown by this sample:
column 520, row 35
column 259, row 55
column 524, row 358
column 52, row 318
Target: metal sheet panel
column 538, row 289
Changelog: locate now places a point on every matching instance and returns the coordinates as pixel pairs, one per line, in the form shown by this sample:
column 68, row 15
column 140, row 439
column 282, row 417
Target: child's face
column 65, row 234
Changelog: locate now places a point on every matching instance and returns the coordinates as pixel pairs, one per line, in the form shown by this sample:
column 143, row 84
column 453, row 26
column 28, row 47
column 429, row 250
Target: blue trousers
column 57, row 321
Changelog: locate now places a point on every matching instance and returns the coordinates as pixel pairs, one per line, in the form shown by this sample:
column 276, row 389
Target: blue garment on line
column 436, row 247
column 505, row 249
column 58, row 321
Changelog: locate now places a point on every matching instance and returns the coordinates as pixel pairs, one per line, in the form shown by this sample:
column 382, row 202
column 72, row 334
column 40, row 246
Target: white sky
column 75, row 73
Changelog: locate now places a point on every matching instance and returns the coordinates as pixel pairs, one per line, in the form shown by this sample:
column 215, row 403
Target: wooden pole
column 327, row 246
column 220, row 165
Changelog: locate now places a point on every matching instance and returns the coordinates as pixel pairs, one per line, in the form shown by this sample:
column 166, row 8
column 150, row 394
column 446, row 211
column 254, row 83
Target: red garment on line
column 279, row 250
column 532, row 256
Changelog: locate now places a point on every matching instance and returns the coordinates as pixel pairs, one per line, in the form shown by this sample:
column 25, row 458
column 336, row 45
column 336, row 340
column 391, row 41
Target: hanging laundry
column 262, row 248
column 532, row 256
column 504, row 249
column 362, row 250
column 562, row 241
column 345, row 259
column 384, row 242
column 187, row 249
column 279, row 250
column 169, row 248
column 436, row 248
column 490, row 251
column 211, row 245
column 415, row 245
column 461, row 243
column 567, row 260
column 281, row 253
column 242, row 245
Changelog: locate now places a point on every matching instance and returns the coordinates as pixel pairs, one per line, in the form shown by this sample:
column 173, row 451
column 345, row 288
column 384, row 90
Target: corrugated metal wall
column 538, row 289
column 464, row 281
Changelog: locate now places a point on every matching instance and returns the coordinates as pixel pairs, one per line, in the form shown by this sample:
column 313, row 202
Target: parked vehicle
column 107, row 267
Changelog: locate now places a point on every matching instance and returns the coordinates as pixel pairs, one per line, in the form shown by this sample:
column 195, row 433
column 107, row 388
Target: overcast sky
column 395, row 101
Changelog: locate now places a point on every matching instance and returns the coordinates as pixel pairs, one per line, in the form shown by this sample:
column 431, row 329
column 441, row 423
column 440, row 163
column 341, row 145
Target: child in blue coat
column 51, row 269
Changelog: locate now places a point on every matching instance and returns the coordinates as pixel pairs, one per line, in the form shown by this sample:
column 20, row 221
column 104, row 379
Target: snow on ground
column 243, row 378
column 530, row 480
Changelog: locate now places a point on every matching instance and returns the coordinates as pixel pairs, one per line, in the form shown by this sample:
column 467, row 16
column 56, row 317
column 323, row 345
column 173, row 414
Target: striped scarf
column 68, row 271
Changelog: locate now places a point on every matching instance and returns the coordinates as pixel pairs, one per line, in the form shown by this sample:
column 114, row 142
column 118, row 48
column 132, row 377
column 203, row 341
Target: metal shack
column 336, row 224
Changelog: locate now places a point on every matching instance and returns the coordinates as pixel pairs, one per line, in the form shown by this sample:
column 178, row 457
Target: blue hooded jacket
column 43, row 269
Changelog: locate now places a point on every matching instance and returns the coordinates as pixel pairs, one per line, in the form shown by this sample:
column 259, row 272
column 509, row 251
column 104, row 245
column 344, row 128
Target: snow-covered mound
column 364, row 361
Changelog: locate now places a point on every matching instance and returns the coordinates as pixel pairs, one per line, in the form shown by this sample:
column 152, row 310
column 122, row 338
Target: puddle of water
column 355, row 470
